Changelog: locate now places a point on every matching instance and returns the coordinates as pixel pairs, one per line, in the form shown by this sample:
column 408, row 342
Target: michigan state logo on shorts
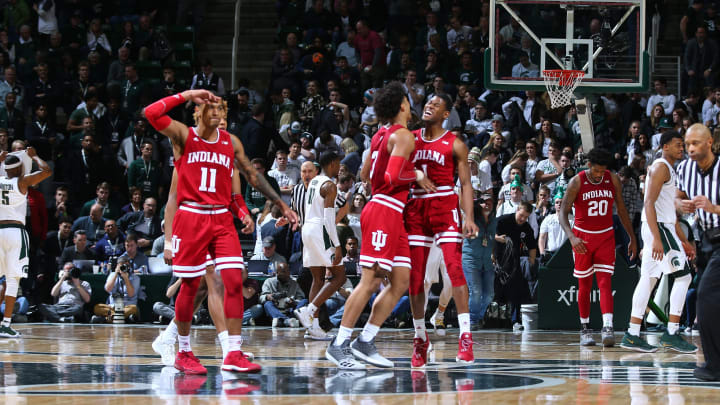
column 379, row 238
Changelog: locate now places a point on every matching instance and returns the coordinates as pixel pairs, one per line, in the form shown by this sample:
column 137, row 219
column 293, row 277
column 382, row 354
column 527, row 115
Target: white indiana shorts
column 317, row 249
column 674, row 258
column 14, row 251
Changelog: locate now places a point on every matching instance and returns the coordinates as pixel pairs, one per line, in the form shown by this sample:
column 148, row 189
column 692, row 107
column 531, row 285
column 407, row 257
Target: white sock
column 170, row 333
column 419, row 325
column 672, row 327
column 312, row 308
column 234, row 343
column 464, row 321
column 584, row 320
column 184, row 343
column 6, row 321
column 223, row 338
column 368, row 333
column 607, row 320
column 439, row 315
column 344, row 334
column 634, row 329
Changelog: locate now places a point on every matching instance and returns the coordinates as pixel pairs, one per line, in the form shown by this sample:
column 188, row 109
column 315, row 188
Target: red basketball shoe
column 237, row 361
column 189, row 364
column 465, row 351
column 420, row 352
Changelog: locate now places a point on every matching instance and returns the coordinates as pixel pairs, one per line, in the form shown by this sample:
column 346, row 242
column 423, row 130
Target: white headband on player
column 13, row 165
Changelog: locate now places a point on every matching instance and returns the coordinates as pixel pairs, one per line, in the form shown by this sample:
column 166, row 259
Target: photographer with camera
column 280, row 295
column 72, row 294
column 122, row 284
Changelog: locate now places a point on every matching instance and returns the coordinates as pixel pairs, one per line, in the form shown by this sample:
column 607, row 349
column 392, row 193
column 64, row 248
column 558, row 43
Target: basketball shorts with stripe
column 674, row 259
column 600, row 255
column 384, row 240
column 14, row 251
column 195, row 236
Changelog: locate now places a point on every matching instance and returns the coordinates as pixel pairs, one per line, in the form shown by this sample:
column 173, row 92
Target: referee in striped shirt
column 699, row 192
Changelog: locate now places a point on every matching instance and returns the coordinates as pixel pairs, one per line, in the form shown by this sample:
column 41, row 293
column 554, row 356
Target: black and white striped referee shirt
column 693, row 182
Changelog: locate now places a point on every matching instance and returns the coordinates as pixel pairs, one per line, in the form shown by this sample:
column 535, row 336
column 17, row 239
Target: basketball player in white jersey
column 321, row 245
column 665, row 250
column 14, row 240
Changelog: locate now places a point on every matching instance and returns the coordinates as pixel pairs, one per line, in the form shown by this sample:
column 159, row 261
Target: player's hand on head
column 202, row 97
column 31, row 152
column 249, row 223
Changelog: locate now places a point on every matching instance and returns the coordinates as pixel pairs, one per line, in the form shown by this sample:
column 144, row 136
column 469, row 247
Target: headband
column 13, row 165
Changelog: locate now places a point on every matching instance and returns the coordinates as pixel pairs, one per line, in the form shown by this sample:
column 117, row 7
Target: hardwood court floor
column 61, row 363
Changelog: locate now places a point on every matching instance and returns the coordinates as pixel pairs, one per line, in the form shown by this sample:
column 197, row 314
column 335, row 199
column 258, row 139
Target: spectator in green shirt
column 75, row 122
column 144, row 172
column 110, row 209
column 131, row 89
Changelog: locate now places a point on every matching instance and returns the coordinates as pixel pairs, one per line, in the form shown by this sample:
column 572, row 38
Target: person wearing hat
column 663, row 126
column 474, row 162
column 208, row 80
column 268, row 253
column 516, row 198
column 552, row 236
column 368, row 119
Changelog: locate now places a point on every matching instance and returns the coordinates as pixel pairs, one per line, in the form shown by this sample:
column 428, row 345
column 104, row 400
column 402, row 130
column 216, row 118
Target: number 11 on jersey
column 204, row 185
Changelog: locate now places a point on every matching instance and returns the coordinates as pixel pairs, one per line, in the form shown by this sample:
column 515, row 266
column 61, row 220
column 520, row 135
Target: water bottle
column 119, row 316
column 271, row 269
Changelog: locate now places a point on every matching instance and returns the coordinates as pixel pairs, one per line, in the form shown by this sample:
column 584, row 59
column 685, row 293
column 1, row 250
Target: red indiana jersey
column 594, row 204
column 380, row 157
column 435, row 159
column 205, row 170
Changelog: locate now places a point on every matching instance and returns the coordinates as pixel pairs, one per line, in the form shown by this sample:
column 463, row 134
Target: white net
column 561, row 84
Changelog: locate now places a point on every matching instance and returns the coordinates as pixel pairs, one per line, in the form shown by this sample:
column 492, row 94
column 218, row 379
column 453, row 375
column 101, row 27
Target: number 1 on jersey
column 204, row 186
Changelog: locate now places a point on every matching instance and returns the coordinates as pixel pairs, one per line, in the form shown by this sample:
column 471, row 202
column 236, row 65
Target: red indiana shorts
column 384, row 240
column 198, row 232
column 434, row 220
column 600, row 255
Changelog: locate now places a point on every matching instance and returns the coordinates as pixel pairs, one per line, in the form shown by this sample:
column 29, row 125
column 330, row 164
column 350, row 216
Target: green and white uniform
column 14, row 240
column 674, row 259
column 317, row 245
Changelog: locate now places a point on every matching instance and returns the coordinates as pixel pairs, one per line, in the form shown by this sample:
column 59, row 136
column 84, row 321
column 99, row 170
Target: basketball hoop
column 561, row 84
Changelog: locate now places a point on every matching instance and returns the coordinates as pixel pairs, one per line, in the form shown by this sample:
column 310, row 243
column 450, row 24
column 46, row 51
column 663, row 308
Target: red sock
column 604, row 281
column 584, row 290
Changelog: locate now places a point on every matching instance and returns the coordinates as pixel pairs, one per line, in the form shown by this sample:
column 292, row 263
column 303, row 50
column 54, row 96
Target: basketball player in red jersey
column 211, row 286
column 384, row 251
column 592, row 193
column 434, row 217
column 203, row 224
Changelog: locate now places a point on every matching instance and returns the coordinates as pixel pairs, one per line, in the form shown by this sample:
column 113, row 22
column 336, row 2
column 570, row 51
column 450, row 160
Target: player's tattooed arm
column 258, row 181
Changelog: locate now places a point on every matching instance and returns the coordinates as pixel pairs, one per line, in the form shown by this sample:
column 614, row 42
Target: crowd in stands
column 73, row 88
